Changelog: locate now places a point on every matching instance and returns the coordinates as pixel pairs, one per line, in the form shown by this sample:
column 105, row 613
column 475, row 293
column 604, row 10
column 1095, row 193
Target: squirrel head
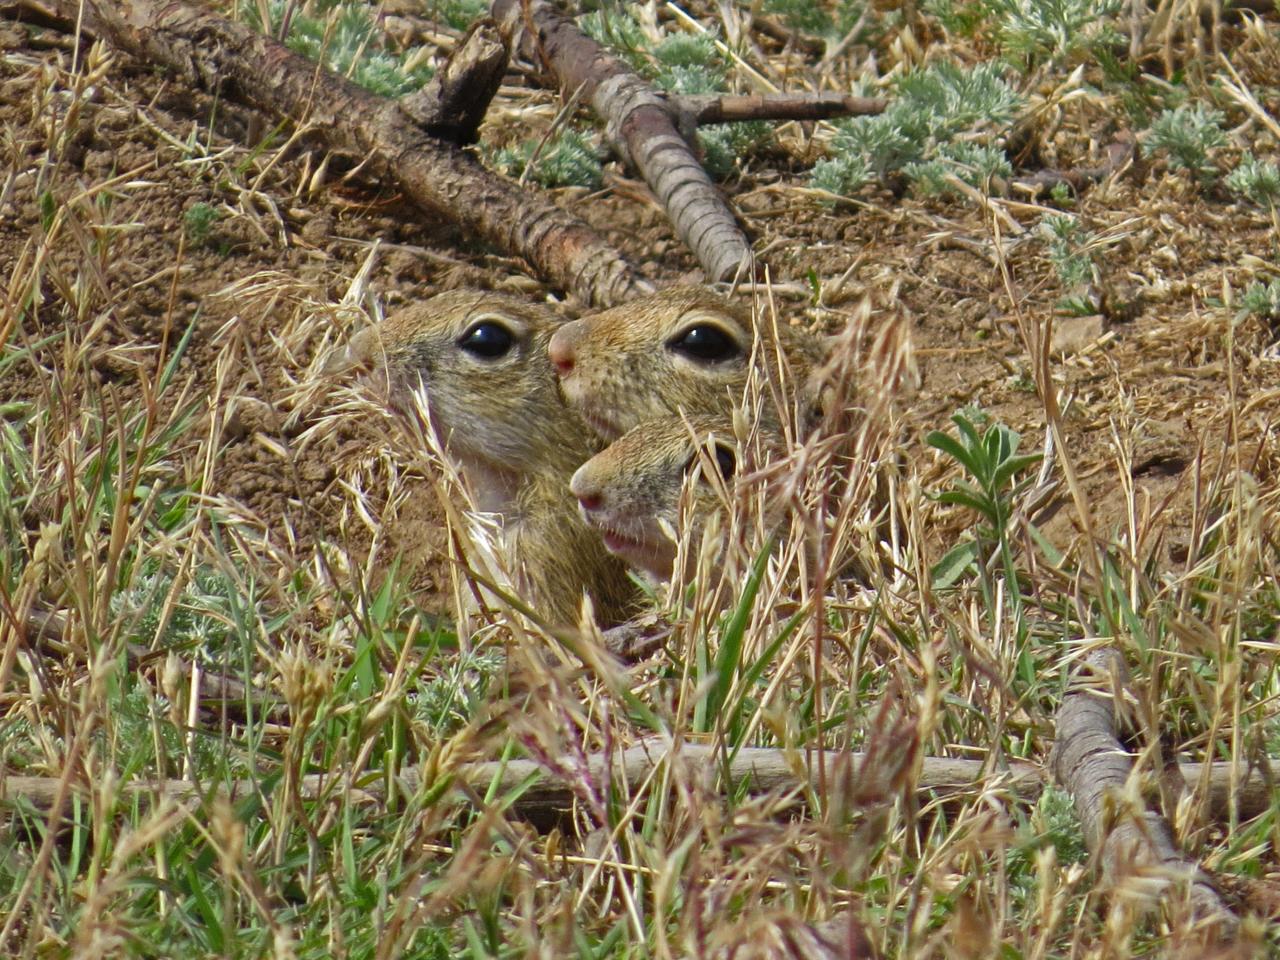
column 480, row 360
column 685, row 350
column 631, row 491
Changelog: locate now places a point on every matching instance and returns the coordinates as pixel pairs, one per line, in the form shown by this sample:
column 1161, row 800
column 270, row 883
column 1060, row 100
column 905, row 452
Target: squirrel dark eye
column 727, row 461
column 487, row 340
column 705, row 343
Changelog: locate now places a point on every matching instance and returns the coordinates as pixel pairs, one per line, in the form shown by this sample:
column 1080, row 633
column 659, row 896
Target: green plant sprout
column 1258, row 181
column 1187, row 134
column 1261, row 300
column 988, row 452
column 934, row 107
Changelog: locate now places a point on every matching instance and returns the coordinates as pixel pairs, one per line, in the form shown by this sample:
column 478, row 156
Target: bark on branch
column 640, row 126
column 452, row 105
column 214, row 53
column 765, row 769
column 707, row 108
column 1090, row 762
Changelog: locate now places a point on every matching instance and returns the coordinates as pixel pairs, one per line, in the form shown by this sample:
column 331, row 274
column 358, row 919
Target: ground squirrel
column 630, row 491
column 681, row 350
column 494, row 403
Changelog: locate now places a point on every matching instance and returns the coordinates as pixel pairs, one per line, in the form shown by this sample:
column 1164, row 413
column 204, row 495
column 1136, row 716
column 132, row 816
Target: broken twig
column 216, row 54
column 640, row 126
column 1128, row 839
column 453, row 103
column 708, row 108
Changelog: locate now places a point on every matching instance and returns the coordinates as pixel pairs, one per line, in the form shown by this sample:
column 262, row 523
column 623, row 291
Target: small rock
column 1073, row 334
column 318, row 229
column 250, row 415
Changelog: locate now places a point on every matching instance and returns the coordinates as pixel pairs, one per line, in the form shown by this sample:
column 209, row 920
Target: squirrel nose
column 561, row 352
column 589, row 493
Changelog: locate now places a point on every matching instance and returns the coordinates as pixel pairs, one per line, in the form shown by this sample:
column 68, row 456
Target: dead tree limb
column 1128, row 840
column 708, row 108
column 639, row 125
column 214, row 53
column 452, row 104
column 764, row 769
column 767, row 769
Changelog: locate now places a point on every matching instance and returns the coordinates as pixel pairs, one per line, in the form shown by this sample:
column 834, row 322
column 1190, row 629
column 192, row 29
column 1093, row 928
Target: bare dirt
column 1150, row 403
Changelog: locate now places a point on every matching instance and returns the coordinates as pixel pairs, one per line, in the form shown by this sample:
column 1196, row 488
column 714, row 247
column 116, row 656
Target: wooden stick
column 1089, row 761
column 453, row 103
column 639, row 125
column 765, row 769
column 707, row 108
column 217, row 54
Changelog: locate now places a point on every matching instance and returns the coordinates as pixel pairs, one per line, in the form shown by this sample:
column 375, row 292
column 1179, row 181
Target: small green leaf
column 955, row 564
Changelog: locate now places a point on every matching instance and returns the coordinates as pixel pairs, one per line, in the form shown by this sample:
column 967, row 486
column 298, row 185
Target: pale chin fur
column 644, row 552
column 602, row 425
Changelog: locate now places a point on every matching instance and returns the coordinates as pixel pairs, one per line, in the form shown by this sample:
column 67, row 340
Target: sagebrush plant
column 976, row 164
column 345, row 37
column 931, row 110
column 1070, row 244
column 1189, row 134
column 1034, row 33
column 568, row 158
column 1261, row 299
column 458, row 14
column 829, row 21
column 1257, row 181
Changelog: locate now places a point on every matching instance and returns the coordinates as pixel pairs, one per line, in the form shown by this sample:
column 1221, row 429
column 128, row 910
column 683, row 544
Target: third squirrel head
column 631, row 491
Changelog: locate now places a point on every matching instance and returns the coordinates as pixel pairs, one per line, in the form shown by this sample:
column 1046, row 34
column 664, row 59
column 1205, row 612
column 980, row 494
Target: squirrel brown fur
column 493, row 401
column 631, row 491
column 685, row 350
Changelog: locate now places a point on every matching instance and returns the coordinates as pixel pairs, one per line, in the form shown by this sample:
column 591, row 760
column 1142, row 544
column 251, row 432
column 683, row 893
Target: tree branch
column 1089, row 761
column 767, row 769
column 639, row 124
column 708, row 108
column 452, row 105
column 214, row 53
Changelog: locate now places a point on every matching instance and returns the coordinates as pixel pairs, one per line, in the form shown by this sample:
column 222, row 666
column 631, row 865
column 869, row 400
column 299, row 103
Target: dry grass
column 877, row 610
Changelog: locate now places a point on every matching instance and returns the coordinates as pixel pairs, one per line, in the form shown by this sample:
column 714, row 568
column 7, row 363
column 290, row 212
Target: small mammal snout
column 589, row 494
column 560, row 350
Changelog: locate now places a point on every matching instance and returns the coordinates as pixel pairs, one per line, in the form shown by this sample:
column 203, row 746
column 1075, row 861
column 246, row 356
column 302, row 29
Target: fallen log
column 213, row 53
column 640, row 127
column 1091, row 764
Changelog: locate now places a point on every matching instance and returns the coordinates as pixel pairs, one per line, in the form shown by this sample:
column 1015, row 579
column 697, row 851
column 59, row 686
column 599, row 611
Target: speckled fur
column 637, row 481
column 625, row 373
column 515, row 442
